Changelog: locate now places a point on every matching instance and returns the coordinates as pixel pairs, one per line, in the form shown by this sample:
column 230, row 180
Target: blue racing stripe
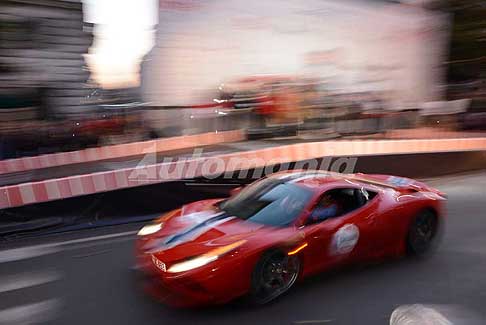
column 181, row 235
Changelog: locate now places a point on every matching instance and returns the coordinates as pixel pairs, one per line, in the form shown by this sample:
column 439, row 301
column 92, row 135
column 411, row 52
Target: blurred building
column 42, row 47
column 396, row 50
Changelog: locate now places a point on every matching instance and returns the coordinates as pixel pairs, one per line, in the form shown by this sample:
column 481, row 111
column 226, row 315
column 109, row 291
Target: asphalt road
column 85, row 278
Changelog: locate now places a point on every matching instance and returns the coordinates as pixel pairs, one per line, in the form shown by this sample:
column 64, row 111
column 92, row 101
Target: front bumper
column 215, row 283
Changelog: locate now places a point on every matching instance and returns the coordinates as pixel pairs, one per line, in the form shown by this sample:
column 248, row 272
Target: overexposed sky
column 123, row 34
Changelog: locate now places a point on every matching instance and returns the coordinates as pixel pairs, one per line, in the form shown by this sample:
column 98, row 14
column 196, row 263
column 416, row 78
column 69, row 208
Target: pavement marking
column 24, row 253
column 26, row 280
column 16, row 254
column 36, row 313
column 89, row 239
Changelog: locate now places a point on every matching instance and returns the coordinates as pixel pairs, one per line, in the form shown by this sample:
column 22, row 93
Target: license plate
column 159, row 264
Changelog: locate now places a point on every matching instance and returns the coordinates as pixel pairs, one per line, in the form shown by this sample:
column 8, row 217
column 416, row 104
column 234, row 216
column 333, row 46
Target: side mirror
column 236, row 190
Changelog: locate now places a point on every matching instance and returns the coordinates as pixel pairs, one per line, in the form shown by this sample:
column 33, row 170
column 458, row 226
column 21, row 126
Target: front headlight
column 150, row 229
column 204, row 259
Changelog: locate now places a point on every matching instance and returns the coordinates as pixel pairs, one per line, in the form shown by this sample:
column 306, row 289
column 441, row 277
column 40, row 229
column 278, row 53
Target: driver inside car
column 325, row 209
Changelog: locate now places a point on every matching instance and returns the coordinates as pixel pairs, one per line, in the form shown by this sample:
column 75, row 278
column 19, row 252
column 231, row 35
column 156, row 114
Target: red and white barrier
column 118, row 151
column 55, row 189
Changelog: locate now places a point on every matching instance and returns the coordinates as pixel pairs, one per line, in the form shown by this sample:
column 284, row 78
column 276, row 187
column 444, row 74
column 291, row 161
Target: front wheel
column 274, row 274
column 422, row 233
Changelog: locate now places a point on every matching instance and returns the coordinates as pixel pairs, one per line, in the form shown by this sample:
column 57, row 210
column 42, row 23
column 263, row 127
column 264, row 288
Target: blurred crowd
column 265, row 106
column 293, row 101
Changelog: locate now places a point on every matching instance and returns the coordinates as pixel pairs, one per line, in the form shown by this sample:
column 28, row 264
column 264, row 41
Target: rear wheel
column 274, row 274
column 422, row 233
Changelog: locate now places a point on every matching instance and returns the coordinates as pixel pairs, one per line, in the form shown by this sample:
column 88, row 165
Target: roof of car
column 310, row 178
column 319, row 179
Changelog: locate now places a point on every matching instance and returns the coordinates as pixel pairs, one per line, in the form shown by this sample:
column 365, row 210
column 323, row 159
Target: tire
column 422, row 234
column 274, row 274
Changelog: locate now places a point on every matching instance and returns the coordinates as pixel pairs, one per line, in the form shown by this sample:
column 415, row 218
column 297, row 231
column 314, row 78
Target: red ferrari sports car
column 282, row 228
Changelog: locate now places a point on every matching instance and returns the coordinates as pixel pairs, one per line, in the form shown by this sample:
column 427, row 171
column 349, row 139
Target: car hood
column 199, row 228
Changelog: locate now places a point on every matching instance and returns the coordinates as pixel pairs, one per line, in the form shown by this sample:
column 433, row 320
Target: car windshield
column 270, row 202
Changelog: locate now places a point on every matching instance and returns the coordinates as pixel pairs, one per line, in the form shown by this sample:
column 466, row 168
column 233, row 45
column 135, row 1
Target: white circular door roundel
column 345, row 239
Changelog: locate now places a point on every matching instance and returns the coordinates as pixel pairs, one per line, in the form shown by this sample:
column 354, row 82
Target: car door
column 365, row 219
column 344, row 238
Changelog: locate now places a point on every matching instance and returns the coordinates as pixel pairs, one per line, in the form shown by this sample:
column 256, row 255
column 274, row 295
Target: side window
column 364, row 196
column 338, row 202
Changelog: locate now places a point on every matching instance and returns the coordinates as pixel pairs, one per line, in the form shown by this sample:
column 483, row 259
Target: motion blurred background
column 78, row 74
column 95, row 95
